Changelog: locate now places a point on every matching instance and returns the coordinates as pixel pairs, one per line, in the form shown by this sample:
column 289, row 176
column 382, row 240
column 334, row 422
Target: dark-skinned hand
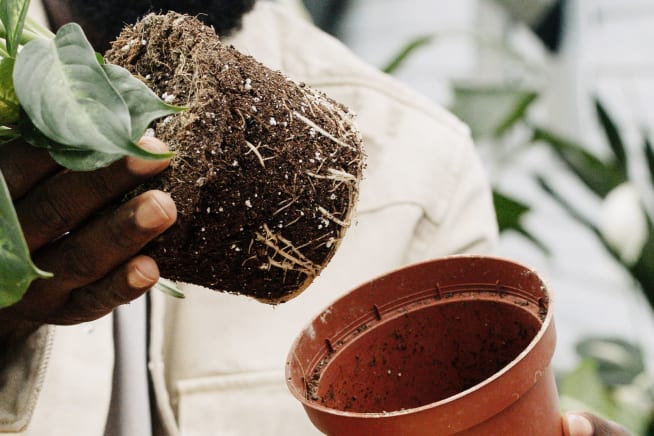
column 587, row 424
column 94, row 257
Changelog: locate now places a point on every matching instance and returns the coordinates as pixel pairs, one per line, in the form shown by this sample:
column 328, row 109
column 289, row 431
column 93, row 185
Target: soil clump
column 266, row 170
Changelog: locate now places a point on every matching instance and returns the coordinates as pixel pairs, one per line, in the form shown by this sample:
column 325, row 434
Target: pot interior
column 423, row 355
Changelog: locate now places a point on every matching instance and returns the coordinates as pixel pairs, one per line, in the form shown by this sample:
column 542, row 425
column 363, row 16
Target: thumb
column 587, row 424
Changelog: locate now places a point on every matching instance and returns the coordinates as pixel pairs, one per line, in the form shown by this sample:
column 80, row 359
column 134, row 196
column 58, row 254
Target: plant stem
column 32, row 30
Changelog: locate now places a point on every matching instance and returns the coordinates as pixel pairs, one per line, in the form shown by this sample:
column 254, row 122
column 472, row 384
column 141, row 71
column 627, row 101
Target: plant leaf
column 618, row 362
column 12, row 14
column 16, row 268
column 71, row 157
column 584, row 385
column 7, row 134
column 9, row 106
column 82, row 160
column 612, row 135
column 144, row 105
column 69, row 98
column 600, row 177
column 491, row 110
column 649, row 156
column 509, row 212
column 524, row 101
column 401, row 57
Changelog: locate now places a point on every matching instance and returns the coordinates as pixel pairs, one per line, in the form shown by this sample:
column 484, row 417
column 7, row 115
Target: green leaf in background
column 649, row 156
column 12, row 15
column 491, row 111
column 510, row 212
column 582, row 389
column 619, row 362
column 612, row 135
column 598, row 176
column 398, row 60
column 62, row 76
column 143, row 104
column 16, row 268
column 9, row 106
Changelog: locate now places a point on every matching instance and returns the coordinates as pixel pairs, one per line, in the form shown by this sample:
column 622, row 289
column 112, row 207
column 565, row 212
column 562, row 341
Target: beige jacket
column 216, row 360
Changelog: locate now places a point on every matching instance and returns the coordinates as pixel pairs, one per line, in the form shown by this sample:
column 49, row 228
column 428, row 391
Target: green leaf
column 612, row 135
column 618, row 362
column 71, row 157
column 510, row 212
column 70, row 99
column 649, row 155
column 7, row 134
column 169, row 287
column 16, row 268
column 80, row 160
column 144, row 105
column 584, row 386
column 491, row 110
column 524, row 99
column 9, row 106
column 398, row 60
column 600, row 177
column 12, row 15
column 68, row 96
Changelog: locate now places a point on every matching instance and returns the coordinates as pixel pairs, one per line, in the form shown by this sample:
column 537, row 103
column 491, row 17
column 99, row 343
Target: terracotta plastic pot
column 461, row 344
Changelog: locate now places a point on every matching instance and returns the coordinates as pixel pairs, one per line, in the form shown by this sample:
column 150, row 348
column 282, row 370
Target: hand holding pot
column 93, row 256
column 587, row 424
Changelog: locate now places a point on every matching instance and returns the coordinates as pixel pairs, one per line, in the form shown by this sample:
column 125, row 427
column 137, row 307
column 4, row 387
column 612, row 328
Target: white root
column 330, row 216
column 255, row 150
column 292, row 258
column 319, row 129
column 334, row 174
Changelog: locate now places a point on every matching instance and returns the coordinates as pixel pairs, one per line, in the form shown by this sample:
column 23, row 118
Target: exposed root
column 334, row 174
column 330, row 216
column 292, row 258
column 320, row 130
column 286, row 206
column 255, row 150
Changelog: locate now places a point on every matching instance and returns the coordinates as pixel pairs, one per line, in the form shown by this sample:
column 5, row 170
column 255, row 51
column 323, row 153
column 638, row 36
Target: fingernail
column 145, row 166
column 143, row 275
column 152, row 144
column 157, row 211
column 579, row 426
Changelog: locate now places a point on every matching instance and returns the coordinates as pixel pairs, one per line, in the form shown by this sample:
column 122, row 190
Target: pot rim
column 539, row 352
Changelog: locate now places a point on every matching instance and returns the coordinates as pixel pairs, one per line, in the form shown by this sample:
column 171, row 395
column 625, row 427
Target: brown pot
column 458, row 344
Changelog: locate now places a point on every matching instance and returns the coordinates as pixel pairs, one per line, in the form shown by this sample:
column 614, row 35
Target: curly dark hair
column 103, row 19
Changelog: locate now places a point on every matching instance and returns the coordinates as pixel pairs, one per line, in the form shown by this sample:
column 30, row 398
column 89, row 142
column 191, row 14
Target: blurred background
column 558, row 96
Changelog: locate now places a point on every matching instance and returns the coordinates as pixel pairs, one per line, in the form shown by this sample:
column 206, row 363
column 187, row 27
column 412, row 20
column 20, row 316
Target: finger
column 62, row 202
column 23, row 166
column 121, row 286
column 90, row 253
column 587, row 424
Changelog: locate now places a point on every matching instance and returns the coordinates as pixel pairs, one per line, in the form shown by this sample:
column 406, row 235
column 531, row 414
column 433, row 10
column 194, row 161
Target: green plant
column 58, row 94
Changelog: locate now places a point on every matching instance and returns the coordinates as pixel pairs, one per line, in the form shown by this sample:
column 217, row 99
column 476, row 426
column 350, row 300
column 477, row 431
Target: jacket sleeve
column 467, row 222
column 22, row 370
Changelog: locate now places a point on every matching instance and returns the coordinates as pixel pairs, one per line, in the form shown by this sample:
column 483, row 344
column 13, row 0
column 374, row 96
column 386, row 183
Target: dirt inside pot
column 266, row 170
column 423, row 356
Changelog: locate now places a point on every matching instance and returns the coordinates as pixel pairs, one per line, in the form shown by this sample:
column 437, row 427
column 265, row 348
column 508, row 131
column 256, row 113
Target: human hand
column 94, row 257
column 587, row 424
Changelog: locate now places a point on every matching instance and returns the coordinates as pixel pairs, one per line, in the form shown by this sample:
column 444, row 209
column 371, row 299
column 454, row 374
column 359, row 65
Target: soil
column 266, row 170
